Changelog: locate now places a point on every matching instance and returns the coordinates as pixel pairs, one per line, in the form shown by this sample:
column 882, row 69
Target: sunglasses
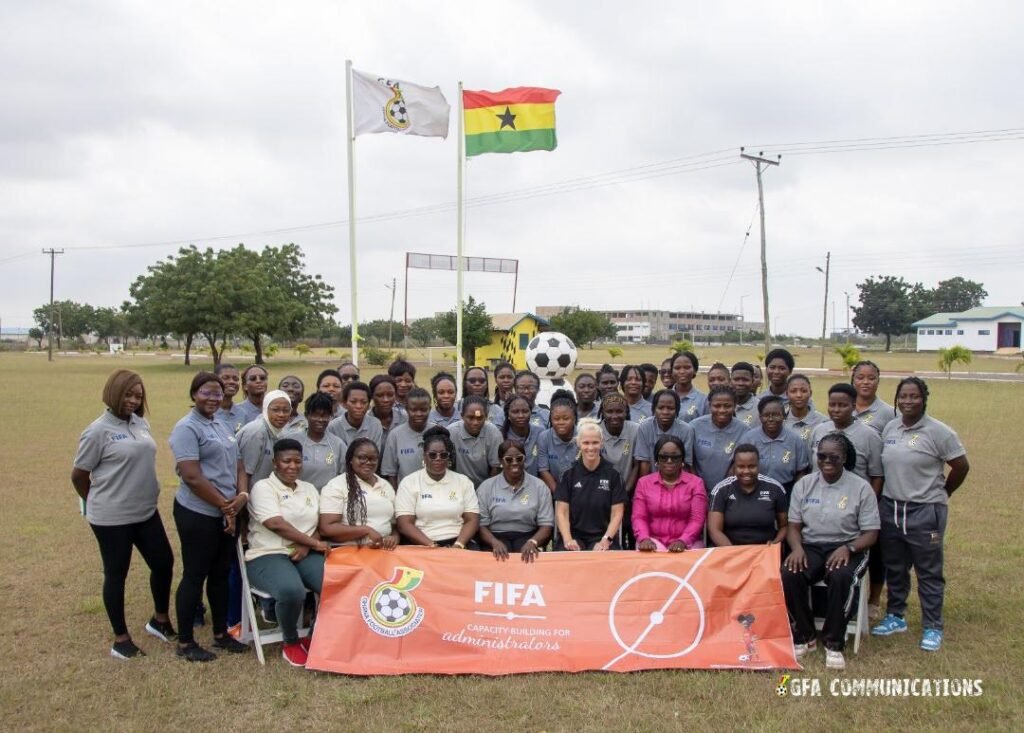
column 513, row 460
column 436, row 455
column 480, row 380
column 667, row 458
column 830, row 458
column 349, row 377
column 256, row 378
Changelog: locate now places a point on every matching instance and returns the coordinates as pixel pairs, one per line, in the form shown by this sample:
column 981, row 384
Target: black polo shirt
column 750, row 518
column 590, row 495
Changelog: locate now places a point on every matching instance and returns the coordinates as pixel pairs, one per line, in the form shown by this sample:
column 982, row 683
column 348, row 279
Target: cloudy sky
column 130, row 129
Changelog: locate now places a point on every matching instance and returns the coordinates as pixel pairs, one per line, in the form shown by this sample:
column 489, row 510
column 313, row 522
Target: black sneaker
column 194, row 653
column 230, row 644
column 125, row 650
column 162, row 630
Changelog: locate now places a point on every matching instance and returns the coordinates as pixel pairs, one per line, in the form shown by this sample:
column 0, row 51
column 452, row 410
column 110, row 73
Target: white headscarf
column 268, row 399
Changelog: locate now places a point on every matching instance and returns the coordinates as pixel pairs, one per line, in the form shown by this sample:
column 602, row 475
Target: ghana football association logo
column 396, row 112
column 390, row 609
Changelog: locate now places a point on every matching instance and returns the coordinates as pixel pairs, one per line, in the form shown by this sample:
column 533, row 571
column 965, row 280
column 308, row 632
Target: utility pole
column 49, row 338
column 824, row 311
column 394, row 289
column 847, row 316
column 758, row 161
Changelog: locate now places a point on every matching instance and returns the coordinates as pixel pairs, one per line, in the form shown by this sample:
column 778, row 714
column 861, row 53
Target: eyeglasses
column 669, row 458
column 256, row 378
column 364, row 458
column 513, row 460
column 436, row 455
column 349, row 377
column 208, row 394
column 664, row 372
column 830, row 458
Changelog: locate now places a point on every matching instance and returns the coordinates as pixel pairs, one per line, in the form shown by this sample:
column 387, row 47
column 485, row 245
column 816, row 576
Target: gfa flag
column 392, row 105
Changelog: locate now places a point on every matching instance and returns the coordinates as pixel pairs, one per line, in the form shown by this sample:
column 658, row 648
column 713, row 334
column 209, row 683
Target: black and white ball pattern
column 551, row 355
column 392, row 606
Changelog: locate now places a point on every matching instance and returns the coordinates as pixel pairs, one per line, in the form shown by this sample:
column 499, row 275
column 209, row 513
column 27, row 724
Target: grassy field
column 58, row 676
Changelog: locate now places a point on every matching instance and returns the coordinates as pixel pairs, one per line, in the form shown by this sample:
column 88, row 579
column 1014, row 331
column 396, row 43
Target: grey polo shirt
column 649, row 433
column 780, row 458
column 865, row 441
column 256, row 446
column 321, row 461
column 640, row 411
column 403, row 452
column 249, row 412
column 120, row 456
column 436, row 418
column 371, row 428
column 540, row 417
column 397, row 418
column 504, row 509
column 877, row 416
column 784, row 397
column 595, row 412
column 713, row 447
column 804, row 427
column 298, row 422
column 618, row 449
column 555, row 455
column 833, row 514
column 529, row 447
column 692, row 405
column 211, row 442
column 475, row 455
column 747, row 413
column 914, row 458
column 234, row 418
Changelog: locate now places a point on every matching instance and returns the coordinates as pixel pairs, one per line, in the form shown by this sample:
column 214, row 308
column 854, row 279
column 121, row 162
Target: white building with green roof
column 979, row 329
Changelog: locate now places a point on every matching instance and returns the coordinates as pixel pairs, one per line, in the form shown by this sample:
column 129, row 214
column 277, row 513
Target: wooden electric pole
column 824, row 312
column 758, row 161
column 49, row 337
column 393, row 287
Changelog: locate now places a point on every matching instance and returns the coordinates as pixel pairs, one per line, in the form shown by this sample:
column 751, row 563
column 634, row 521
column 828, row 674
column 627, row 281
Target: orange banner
column 444, row 611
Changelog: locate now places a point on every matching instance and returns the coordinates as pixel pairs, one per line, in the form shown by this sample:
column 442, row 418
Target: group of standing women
column 617, row 465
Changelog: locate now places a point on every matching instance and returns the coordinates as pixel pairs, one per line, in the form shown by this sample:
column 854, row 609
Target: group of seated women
column 388, row 462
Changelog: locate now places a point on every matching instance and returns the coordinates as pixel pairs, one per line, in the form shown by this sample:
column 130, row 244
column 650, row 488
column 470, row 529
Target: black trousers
column 840, row 594
column 116, row 543
column 206, row 555
column 587, row 542
column 514, row 541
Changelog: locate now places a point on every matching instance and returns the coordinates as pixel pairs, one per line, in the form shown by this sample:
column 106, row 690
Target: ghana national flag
column 510, row 121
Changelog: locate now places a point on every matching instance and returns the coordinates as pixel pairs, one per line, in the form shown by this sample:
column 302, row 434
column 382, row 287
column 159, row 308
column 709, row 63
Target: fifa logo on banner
column 390, row 609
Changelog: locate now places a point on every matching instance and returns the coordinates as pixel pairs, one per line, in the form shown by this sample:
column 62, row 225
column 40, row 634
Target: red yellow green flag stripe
column 510, row 121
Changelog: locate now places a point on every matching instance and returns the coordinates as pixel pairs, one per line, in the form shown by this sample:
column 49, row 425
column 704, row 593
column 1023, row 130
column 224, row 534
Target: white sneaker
column 834, row 660
column 802, row 650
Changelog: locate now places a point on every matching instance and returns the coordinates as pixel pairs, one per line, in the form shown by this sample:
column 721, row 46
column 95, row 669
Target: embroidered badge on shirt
column 728, row 448
column 804, row 433
column 330, row 458
column 842, row 502
column 913, row 440
column 786, row 456
column 453, row 495
column 525, row 499
column 691, row 410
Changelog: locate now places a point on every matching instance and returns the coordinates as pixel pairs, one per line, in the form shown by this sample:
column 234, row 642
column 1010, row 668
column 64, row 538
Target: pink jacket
column 667, row 515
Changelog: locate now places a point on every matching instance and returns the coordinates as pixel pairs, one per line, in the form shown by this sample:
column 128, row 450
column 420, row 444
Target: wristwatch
column 851, row 548
column 458, row 545
column 610, row 540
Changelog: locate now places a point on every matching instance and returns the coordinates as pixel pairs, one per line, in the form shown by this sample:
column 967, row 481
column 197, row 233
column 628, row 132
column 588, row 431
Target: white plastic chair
column 249, row 631
column 858, row 624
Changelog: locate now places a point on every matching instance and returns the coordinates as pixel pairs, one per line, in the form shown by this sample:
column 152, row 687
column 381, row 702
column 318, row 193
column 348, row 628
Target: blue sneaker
column 891, row 624
column 931, row 640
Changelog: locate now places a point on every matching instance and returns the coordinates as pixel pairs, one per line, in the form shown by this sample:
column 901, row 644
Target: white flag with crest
column 381, row 104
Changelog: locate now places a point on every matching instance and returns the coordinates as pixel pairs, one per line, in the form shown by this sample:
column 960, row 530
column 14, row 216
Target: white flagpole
column 460, row 216
column 349, row 138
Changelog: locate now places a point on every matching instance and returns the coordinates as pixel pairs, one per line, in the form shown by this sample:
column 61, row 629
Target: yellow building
column 511, row 333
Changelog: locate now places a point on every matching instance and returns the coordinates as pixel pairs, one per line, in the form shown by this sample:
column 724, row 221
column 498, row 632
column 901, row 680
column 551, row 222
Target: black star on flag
column 507, row 119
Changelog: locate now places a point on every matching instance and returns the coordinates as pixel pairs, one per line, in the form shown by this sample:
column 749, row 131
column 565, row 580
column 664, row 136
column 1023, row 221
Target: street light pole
column 743, row 318
column 824, row 312
column 847, row 316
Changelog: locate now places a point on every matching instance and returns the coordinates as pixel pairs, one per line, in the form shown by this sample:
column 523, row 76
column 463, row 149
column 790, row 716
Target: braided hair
column 849, row 452
column 355, row 508
column 563, row 398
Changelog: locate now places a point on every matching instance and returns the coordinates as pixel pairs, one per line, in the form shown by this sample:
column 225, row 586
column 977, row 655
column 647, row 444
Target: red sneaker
column 305, row 641
column 294, row 654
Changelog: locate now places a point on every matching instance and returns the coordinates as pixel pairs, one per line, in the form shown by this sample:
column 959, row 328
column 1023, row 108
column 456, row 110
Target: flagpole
column 353, row 287
column 459, row 244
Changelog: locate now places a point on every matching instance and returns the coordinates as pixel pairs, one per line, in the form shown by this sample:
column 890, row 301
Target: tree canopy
column 583, row 326
column 476, row 328
column 956, row 295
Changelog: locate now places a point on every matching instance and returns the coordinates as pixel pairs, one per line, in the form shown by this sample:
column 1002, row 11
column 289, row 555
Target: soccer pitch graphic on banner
column 441, row 611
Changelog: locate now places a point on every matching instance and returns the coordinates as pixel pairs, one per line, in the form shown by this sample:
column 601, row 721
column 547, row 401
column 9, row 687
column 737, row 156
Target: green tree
column 956, row 295
column 37, row 334
column 106, row 323
column 70, row 319
column 272, row 295
column 679, row 347
column 886, row 307
column 583, row 326
column 422, row 331
column 476, row 328
column 953, row 355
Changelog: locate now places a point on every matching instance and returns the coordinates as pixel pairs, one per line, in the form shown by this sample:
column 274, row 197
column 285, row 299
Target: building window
column 949, row 331
column 984, row 332
column 960, row 332
column 931, row 332
column 524, row 341
column 921, row 332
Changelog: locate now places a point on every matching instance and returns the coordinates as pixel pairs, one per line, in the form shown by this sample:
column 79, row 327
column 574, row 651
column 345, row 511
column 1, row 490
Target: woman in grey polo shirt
column 915, row 451
column 516, row 510
column 115, row 475
column 833, row 520
column 256, row 439
column 869, row 408
column 212, row 492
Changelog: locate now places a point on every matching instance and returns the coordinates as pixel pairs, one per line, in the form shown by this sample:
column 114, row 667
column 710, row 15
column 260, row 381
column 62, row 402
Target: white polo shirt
column 379, row 498
column 270, row 498
column 438, row 506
